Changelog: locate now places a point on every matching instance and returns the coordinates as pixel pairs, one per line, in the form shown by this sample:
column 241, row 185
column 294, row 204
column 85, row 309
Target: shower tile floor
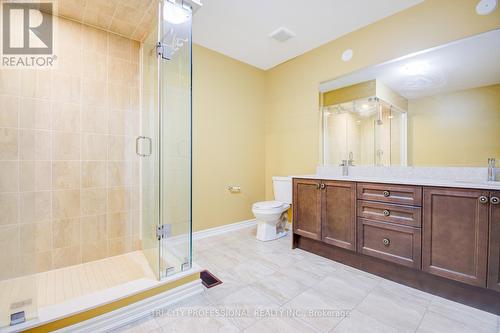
column 60, row 285
column 273, row 278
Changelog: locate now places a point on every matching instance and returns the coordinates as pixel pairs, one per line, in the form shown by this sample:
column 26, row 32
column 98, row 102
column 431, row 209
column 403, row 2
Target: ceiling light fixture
column 485, row 7
column 347, row 55
column 175, row 13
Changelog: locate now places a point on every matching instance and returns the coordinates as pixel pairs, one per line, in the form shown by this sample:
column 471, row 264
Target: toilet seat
column 270, row 207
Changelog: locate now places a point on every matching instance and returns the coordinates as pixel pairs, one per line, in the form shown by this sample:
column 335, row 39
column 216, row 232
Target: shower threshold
column 123, row 289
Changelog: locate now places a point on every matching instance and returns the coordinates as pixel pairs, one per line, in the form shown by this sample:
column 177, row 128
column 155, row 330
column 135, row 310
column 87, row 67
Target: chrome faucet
column 346, row 164
column 491, row 169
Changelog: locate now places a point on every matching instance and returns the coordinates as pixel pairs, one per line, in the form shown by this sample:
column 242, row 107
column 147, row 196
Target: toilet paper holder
column 234, row 189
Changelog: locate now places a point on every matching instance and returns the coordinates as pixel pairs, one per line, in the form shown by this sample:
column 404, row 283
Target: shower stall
column 95, row 157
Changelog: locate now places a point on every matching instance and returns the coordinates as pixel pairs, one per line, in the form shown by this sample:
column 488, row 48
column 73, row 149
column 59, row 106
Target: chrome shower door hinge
column 163, row 51
column 163, row 231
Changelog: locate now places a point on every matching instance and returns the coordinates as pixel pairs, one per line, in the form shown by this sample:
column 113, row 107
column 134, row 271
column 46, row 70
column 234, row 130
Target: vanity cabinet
column 307, row 208
column 455, row 234
column 494, row 243
column 325, row 210
column 338, row 214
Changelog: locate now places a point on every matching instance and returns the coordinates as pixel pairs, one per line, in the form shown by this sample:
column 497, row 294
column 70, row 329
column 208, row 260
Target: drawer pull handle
column 387, row 213
column 386, row 193
column 386, row 241
column 483, row 199
column 495, row 200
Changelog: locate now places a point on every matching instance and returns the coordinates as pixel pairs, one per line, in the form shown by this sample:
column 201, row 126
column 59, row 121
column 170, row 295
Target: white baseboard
column 223, row 229
column 137, row 311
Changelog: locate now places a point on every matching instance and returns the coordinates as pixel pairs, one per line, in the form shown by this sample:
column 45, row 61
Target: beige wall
column 456, row 129
column 68, row 171
column 228, row 138
column 292, row 116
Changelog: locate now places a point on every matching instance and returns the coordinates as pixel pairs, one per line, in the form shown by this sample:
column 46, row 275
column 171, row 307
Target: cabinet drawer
column 391, row 242
column 398, row 194
column 405, row 215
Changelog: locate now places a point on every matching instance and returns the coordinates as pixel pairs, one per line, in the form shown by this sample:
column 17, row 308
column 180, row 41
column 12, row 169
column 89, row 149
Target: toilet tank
column 282, row 187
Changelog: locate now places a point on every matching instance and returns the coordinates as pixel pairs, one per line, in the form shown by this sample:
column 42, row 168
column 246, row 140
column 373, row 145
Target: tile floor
column 273, row 278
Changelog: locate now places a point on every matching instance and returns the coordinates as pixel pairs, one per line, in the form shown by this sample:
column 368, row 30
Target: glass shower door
column 175, row 136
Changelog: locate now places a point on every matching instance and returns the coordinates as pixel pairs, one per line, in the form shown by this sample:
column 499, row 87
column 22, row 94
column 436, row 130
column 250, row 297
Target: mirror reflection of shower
column 366, row 131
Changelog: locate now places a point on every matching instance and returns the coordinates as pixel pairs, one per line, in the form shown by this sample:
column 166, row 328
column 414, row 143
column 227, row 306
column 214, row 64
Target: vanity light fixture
column 175, row 13
column 485, row 7
column 347, row 55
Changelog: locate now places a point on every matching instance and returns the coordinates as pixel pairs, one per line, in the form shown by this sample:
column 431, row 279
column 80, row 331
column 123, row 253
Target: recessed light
column 485, row 7
column 347, row 55
column 282, row 34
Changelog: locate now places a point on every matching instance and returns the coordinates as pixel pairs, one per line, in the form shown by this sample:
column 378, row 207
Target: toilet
column 271, row 216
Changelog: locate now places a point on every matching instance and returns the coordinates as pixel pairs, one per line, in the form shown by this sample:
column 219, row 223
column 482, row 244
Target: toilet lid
column 268, row 204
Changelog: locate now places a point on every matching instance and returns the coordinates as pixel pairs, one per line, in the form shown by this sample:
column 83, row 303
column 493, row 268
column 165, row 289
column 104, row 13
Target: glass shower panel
column 175, row 137
column 148, row 147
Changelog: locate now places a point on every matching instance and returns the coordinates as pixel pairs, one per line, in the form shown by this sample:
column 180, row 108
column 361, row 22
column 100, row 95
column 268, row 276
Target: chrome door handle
column 137, row 146
column 483, row 199
column 495, row 200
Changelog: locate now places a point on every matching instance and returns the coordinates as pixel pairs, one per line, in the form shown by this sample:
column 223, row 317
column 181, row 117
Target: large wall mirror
column 437, row 107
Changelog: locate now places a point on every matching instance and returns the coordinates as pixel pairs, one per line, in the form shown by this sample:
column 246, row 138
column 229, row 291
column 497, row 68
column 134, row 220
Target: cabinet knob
column 323, row 186
column 386, row 241
column 387, row 213
column 386, row 193
column 495, row 200
column 483, row 199
column 318, row 186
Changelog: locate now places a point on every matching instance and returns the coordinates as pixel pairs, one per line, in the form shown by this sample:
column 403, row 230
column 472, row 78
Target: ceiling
column 464, row 64
column 240, row 29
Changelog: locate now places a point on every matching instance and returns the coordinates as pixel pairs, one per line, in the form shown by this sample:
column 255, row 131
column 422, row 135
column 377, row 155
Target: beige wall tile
column 119, row 47
column 9, row 176
column 35, row 206
column 123, row 123
column 67, row 88
column 66, row 117
column 93, row 201
column 36, row 83
column 94, row 119
column 43, row 261
column 94, row 147
column 66, row 233
column 94, row 250
column 66, row 175
column 94, row 93
column 94, row 66
column 118, row 225
column 118, row 199
column 35, row 114
column 9, row 145
column 10, row 81
column 35, row 176
column 66, row 256
column 119, row 173
column 9, row 240
column 117, row 148
column 95, row 40
column 118, row 97
column 96, row 18
column 122, row 27
column 93, row 174
column 117, row 246
column 9, row 208
column 93, row 228
column 65, row 146
column 65, row 204
column 9, row 111
column 34, row 145
column 36, row 237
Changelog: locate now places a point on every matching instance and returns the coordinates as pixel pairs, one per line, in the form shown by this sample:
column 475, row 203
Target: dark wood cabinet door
column 455, row 234
column 338, row 214
column 307, row 208
column 494, row 257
